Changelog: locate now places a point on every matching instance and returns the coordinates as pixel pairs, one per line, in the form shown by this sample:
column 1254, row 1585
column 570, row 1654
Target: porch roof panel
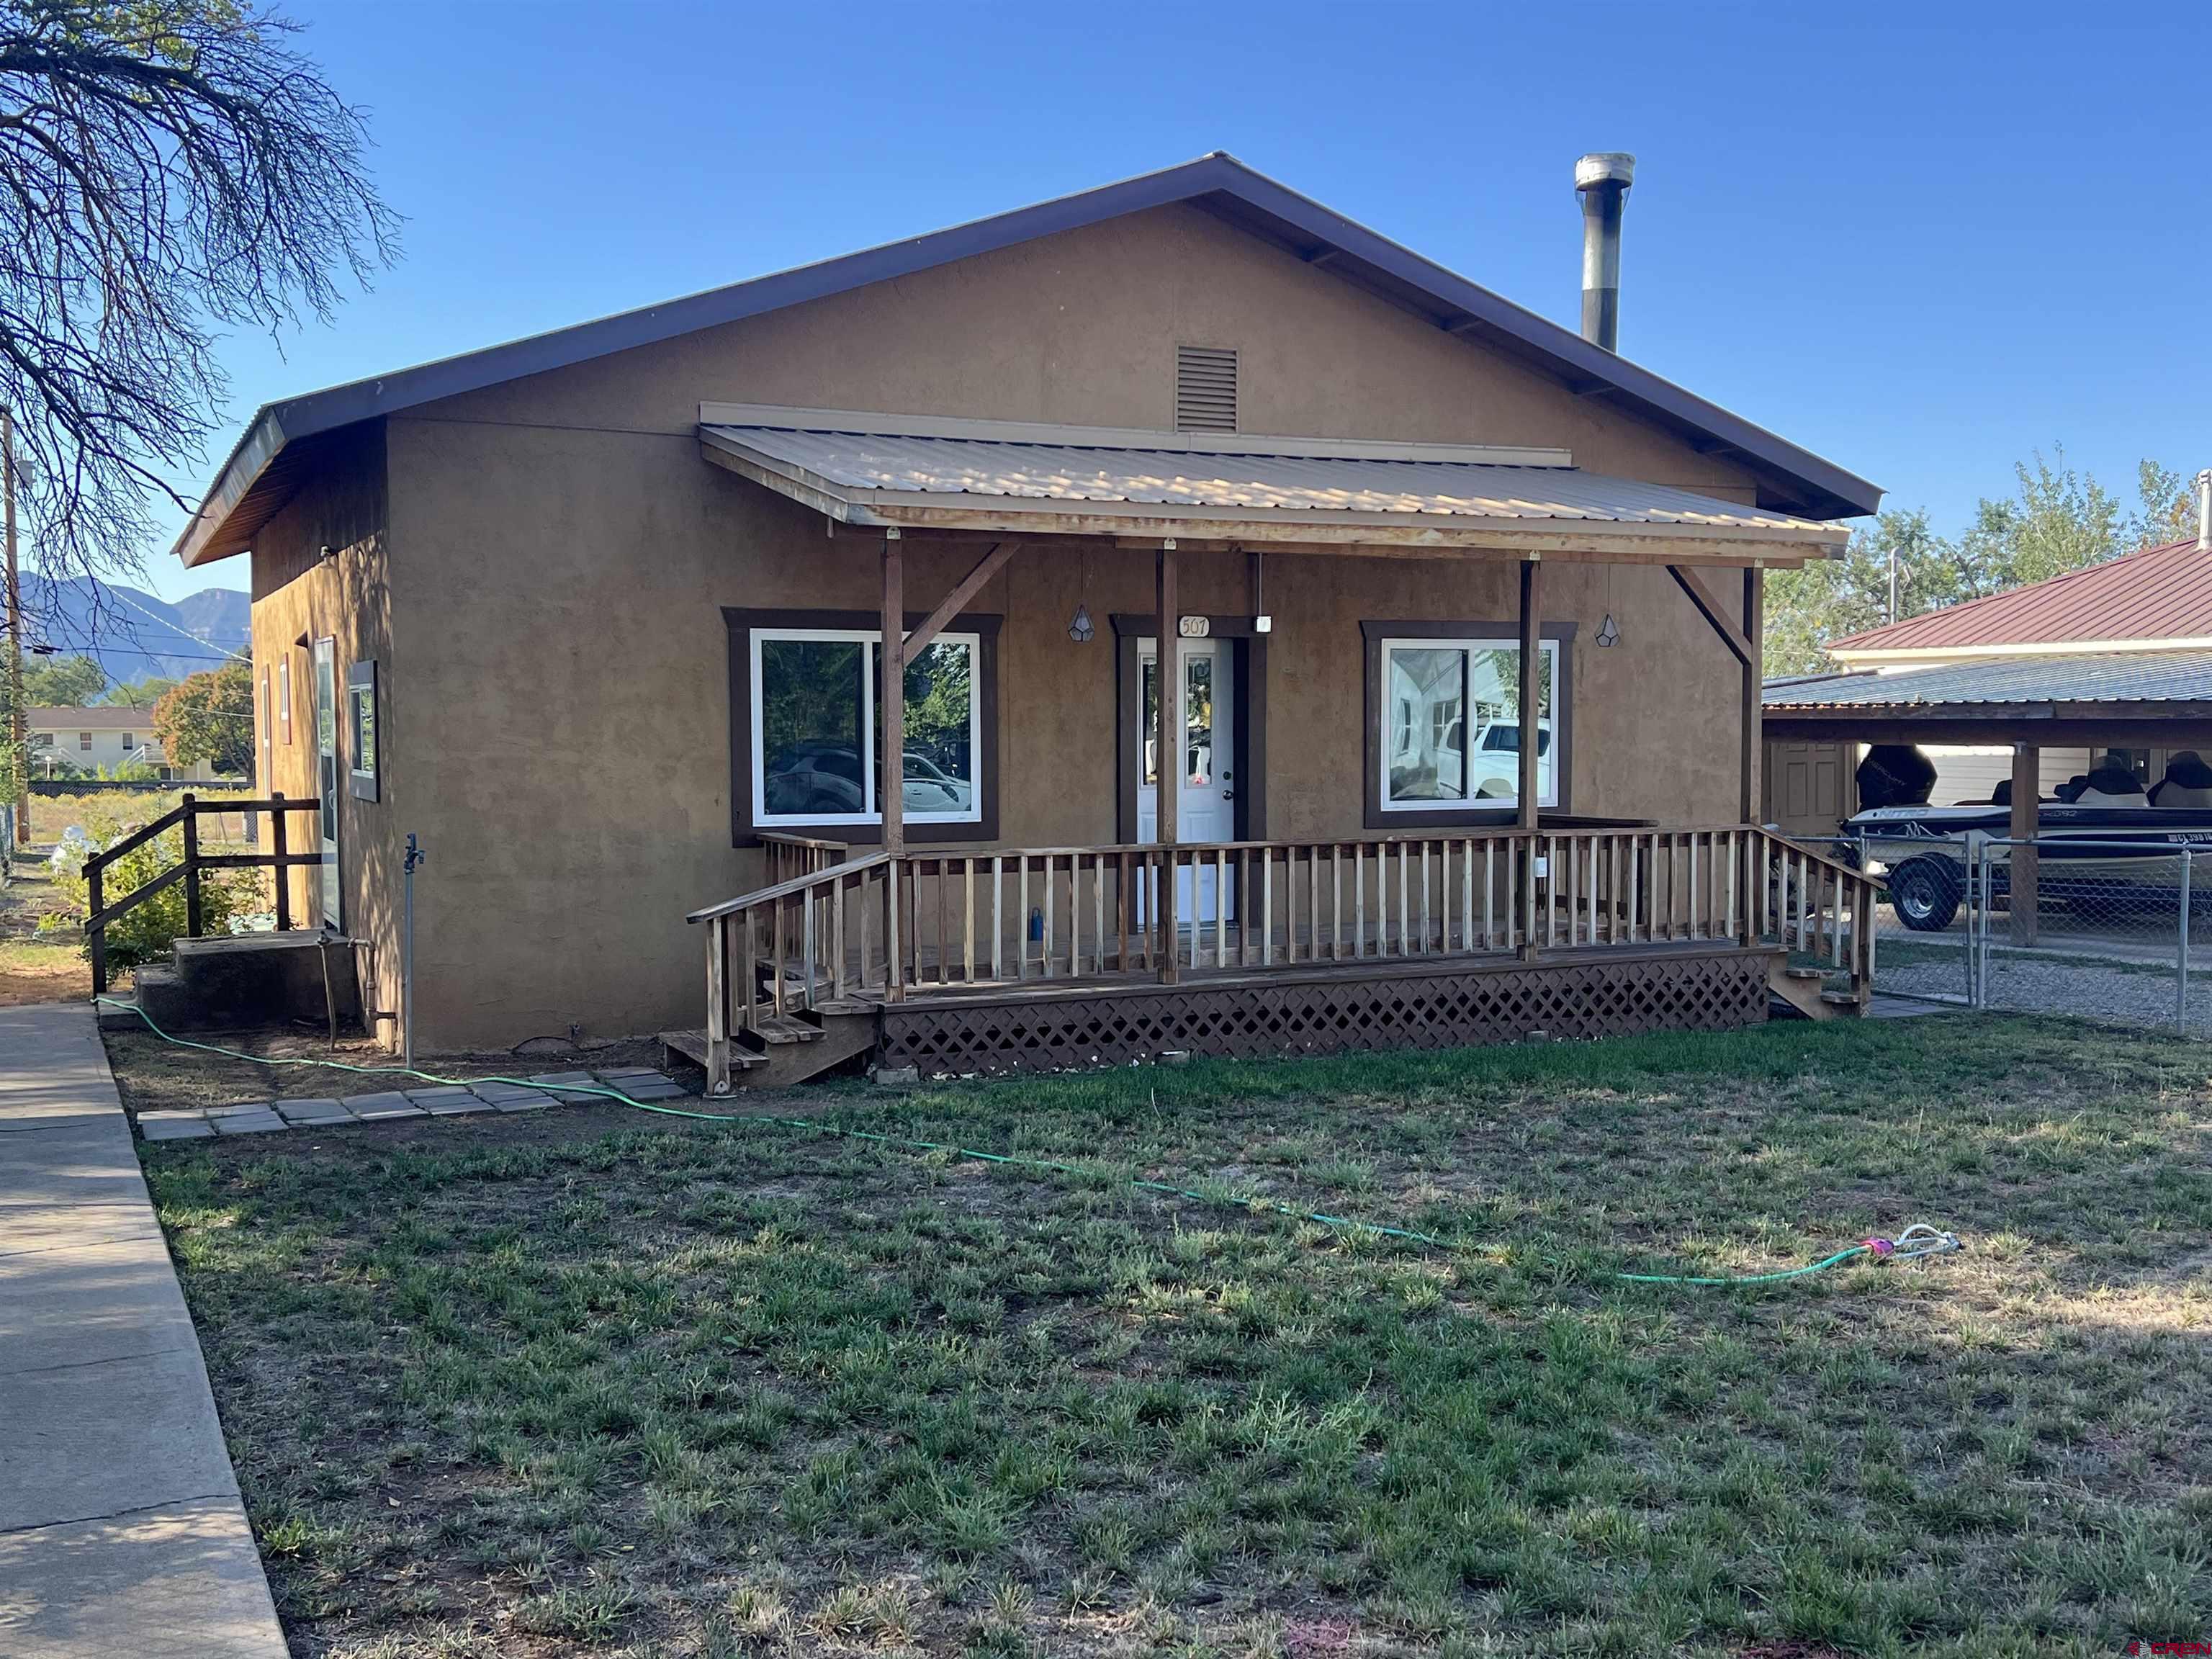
column 876, row 469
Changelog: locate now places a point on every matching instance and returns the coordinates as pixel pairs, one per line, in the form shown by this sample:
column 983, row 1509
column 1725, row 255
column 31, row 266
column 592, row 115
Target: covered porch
column 1474, row 905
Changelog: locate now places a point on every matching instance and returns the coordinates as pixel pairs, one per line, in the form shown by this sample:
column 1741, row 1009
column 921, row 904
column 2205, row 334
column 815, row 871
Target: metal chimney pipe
column 1602, row 181
column 2205, row 511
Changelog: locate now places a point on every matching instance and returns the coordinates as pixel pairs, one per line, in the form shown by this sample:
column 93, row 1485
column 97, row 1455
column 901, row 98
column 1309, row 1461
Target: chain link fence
column 2107, row 935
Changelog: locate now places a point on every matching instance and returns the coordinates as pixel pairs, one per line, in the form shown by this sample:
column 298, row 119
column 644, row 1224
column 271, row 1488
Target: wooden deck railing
column 879, row 927
column 790, row 856
column 100, row 914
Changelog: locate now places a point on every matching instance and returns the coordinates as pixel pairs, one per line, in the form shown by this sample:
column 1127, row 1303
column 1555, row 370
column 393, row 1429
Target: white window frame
column 1468, row 645
column 866, row 639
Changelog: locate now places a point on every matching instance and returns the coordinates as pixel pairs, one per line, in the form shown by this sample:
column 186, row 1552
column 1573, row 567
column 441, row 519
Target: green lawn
column 586, row 1382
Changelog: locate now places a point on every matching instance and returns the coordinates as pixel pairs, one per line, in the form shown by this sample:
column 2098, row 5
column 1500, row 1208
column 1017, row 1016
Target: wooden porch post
column 1167, row 754
column 2026, row 778
column 1755, row 692
column 891, row 704
column 1531, row 711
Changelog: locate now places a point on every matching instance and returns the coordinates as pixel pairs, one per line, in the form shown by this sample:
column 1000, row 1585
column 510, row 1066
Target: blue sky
column 1921, row 241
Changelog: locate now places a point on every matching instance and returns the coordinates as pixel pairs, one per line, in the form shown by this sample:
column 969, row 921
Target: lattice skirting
column 1397, row 1008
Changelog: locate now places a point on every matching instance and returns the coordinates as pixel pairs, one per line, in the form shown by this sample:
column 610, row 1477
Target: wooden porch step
column 770, row 1029
column 692, row 1045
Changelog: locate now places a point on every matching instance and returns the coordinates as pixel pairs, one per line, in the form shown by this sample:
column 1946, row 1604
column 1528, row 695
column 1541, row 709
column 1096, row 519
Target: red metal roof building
column 2156, row 599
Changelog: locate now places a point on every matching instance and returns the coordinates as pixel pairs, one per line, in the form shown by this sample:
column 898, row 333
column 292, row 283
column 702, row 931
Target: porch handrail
column 100, row 914
column 788, row 889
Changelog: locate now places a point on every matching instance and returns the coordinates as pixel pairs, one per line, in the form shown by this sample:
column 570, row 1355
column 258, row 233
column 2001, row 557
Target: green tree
column 210, row 718
column 142, row 694
column 65, row 683
column 2058, row 519
column 1830, row 599
column 2167, row 508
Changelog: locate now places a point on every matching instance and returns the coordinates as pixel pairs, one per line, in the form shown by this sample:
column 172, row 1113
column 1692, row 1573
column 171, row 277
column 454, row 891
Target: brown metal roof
column 864, row 463
column 2155, row 594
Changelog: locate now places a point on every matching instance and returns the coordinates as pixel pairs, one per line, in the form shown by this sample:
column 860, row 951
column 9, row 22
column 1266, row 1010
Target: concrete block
column 552, row 1084
column 181, row 1126
column 374, row 1108
column 495, row 1092
column 657, row 1088
column 249, row 1123
column 897, row 1077
column 241, row 1109
column 313, row 1113
column 250, row 979
column 531, row 1101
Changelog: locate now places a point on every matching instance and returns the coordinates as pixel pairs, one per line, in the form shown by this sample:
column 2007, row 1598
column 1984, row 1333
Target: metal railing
column 881, row 927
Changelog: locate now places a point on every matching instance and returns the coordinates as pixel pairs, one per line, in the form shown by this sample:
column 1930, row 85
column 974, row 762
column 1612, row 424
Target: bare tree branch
column 169, row 169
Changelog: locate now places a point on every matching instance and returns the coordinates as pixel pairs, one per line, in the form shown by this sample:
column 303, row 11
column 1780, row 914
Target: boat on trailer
column 2104, row 840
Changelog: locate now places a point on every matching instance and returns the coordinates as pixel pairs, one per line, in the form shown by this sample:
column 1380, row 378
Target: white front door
column 1205, row 771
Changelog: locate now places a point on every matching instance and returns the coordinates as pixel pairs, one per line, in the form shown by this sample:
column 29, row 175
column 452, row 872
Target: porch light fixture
column 1079, row 627
column 1609, row 631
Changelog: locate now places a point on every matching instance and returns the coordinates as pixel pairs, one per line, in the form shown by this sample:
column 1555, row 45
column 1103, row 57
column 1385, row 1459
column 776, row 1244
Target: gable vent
column 1206, row 389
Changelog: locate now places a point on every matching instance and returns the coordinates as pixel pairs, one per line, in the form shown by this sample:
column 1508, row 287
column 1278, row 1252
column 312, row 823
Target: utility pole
column 18, row 720
column 1892, row 583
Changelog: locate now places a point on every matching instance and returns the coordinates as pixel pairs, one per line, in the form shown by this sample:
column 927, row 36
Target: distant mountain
column 132, row 633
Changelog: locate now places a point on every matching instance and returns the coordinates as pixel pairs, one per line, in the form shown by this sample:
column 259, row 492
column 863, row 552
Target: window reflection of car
column 1498, row 757
column 823, row 778
column 930, row 788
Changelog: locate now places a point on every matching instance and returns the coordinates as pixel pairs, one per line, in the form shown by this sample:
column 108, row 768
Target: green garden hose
column 1917, row 1240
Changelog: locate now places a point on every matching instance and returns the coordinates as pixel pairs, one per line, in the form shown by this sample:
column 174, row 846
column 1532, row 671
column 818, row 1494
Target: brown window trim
column 1247, row 748
column 744, row 832
column 1372, row 634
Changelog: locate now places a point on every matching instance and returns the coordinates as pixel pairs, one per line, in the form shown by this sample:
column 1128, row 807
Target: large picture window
column 817, row 734
column 1445, row 725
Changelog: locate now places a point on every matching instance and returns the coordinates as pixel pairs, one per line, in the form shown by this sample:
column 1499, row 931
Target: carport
column 2160, row 701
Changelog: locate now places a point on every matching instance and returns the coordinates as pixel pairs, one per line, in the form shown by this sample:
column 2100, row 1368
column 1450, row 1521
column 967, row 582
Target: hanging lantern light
column 1079, row 626
column 1609, row 631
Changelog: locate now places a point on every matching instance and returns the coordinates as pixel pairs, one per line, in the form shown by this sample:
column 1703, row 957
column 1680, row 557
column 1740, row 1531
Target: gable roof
column 262, row 470
column 106, row 718
column 2154, row 597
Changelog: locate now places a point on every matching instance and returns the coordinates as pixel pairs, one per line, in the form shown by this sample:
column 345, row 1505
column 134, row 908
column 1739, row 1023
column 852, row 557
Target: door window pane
column 1151, row 722
column 812, row 699
column 1198, row 720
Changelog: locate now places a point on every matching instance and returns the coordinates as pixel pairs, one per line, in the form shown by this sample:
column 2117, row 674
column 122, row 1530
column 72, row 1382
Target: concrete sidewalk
column 121, row 1530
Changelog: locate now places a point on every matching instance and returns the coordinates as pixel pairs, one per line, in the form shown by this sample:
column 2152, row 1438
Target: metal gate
column 2109, row 935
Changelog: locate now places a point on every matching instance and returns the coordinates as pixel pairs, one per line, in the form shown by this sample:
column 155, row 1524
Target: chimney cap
column 1605, row 167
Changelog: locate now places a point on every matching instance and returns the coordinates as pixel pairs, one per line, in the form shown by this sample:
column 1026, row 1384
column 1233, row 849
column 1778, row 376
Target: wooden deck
column 1050, row 958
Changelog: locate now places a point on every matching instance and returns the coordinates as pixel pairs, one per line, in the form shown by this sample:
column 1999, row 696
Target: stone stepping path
column 255, row 1117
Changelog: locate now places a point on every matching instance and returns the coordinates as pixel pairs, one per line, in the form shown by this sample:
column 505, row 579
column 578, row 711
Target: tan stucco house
column 599, row 615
